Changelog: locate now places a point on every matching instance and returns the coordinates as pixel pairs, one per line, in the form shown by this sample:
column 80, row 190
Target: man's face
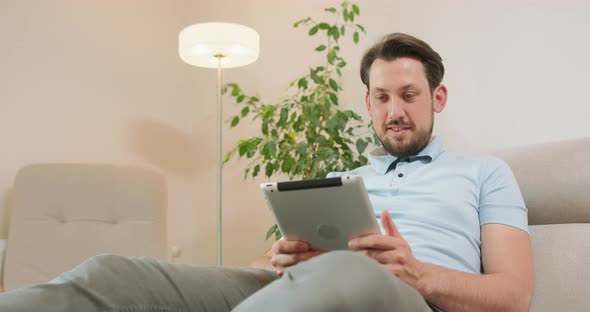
column 401, row 105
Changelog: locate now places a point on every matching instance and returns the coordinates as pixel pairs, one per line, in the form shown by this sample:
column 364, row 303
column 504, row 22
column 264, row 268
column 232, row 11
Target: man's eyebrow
column 403, row 88
column 379, row 89
column 408, row 86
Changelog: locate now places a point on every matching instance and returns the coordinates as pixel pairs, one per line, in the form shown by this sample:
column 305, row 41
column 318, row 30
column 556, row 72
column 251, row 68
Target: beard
column 418, row 139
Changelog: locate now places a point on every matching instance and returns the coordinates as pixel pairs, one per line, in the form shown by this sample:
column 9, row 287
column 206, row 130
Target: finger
column 388, row 224
column 388, row 257
column 286, row 247
column 376, row 241
column 281, row 261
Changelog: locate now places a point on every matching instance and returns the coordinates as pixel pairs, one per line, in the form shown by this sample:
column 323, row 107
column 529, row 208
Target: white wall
column 100, row 81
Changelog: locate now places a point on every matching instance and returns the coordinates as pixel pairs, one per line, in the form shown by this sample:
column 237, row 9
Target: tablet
column 326, row 213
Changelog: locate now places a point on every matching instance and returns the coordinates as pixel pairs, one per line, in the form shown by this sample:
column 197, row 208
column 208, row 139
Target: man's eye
column 409, row 96
column 381, row 98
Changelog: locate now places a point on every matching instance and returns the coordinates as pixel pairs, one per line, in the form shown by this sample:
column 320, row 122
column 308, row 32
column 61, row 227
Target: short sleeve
column 500, row 199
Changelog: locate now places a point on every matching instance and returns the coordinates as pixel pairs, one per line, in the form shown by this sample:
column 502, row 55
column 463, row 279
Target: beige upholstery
column 61, row 214
column 555, row 181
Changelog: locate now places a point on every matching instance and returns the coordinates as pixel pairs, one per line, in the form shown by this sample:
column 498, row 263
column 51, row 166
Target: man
column 456, row 216
column 457, row 241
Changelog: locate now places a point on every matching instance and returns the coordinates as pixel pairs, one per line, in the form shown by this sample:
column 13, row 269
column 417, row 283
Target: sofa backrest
column 554, row 179
column 62, row 214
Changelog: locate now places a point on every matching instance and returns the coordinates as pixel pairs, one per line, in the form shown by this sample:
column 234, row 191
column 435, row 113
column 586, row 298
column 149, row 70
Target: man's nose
column 396, row 109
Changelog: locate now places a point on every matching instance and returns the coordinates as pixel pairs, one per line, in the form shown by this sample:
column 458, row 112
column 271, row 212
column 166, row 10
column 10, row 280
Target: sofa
column 62, row 214
column 554, row 179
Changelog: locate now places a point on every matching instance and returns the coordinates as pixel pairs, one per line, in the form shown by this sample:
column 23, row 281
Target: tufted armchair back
column 62, row 214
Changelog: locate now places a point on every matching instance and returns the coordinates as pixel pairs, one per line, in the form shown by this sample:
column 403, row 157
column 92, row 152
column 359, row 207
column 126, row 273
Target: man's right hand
column 287, row 253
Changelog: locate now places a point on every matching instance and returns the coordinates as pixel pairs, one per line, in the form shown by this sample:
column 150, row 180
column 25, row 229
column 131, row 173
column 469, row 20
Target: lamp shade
column 203, row 44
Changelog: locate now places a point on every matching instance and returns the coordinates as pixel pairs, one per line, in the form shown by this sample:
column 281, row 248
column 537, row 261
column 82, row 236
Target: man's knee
column 345, row 264
column 337, row 281
column 102, row 262
column 99, row 266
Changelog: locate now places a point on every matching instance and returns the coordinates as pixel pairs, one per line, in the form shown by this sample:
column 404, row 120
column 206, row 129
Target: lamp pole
column 219, row 57
column 218, row 45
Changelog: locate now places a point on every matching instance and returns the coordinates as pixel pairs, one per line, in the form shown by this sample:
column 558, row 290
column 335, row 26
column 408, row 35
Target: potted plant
column 306, row 135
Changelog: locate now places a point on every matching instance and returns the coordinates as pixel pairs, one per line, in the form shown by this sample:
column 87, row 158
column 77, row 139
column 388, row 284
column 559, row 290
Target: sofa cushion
column 554, row 179
column 561, row 253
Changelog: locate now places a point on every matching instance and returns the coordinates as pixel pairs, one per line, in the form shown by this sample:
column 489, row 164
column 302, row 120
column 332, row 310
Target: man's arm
column 506, row 284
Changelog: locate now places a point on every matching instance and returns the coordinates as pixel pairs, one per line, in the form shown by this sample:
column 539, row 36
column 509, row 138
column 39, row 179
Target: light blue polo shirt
column 439, row 200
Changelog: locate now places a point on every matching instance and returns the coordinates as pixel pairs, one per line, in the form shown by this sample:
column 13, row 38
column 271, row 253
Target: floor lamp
column 218, row 45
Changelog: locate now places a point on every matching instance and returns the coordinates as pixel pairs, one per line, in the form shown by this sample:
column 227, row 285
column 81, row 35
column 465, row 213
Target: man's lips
column 398, row 129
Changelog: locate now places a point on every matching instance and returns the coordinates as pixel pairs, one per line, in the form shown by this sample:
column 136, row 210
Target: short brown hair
column 397, row 45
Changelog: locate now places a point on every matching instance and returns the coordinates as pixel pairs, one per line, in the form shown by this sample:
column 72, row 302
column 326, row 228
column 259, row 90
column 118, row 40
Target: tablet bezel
column 326, row 213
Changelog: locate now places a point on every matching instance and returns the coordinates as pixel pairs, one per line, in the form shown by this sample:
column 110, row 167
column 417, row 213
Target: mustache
column 399, row 122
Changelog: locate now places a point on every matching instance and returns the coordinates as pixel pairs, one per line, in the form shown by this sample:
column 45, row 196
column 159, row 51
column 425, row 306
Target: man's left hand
column 391, row 250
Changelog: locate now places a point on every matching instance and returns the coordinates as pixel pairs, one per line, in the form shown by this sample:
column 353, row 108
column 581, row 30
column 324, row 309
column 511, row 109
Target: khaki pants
column 336, row 281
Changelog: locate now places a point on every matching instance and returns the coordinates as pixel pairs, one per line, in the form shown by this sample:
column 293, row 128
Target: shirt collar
column 380, row 160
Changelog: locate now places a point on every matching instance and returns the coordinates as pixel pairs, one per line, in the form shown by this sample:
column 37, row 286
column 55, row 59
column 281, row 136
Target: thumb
column 388, row 224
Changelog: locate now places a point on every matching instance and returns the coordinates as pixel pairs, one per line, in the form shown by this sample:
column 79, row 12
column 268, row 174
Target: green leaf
column 342, row 30
column 361, row 145
column 264, row 128
column 355, row 9
column 284, row 116
column 341, row 64
column 320, row 48
column 332, row 56
column 331, row 10
column 255, row 171
column 333, row 85
column 333, row 98
column 227, row 157
column 248, row 147
column 303, row 21
column 355, row 37
column 302, row 83
column 235, row 91
column 301, row 148
column 313, row 30
column 334, row 32
column 271, row 231
column 324, row 26
column 235, row 121
column 269, row 169
column 361, row 28
column 269, row 150
column 269, row 110
column 278, row 234
column 345, row 14
column 287, row 164
column 315, row 77
column 245, row 111
column 240, row 98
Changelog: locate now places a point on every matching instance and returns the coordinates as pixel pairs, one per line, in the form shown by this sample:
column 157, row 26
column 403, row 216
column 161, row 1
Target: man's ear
column 368, row 101
column 440, row 98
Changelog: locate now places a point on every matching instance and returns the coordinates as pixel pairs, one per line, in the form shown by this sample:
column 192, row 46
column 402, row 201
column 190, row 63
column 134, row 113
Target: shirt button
column 400, row 175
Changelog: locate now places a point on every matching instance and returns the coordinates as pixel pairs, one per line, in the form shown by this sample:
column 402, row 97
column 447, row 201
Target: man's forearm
column 457, row 291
